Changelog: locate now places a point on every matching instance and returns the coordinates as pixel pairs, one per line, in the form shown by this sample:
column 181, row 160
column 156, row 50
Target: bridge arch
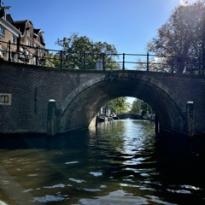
column 82, row 104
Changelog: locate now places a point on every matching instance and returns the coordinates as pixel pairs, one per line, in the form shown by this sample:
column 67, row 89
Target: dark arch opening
column 84, row 106
column 126, row 108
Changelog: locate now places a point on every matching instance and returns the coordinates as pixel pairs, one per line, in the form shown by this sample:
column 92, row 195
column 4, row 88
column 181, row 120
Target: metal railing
column 59, row 59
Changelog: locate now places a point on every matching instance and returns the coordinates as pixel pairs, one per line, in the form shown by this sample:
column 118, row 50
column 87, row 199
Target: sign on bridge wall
column 5, row 99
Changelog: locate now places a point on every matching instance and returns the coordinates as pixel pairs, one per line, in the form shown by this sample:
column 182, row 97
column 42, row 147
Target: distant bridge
column 129, row 116
column 25, row 92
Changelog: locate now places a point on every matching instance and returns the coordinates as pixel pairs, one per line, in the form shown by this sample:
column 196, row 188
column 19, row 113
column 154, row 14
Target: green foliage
column 182, row 39
column 136, row 107
column 52, row 60
column 118, row 105
column 80, row 52
column 140, row 107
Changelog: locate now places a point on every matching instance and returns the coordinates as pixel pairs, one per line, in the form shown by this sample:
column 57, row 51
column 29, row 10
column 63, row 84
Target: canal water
column 120, row 163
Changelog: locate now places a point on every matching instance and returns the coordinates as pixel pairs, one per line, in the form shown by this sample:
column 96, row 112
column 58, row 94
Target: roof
column 36, row 30
column 2, row 12
column 7, row 21
column 9, row 18
column 39, row 32
column 20, row 25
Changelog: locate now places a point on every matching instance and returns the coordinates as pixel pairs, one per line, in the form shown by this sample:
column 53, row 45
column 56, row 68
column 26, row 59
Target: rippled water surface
column 120, row 163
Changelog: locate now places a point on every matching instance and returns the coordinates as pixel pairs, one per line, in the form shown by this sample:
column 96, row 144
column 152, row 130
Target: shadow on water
column 119, row 163
column 77, row 139
column 181, row 155
column 181, row 171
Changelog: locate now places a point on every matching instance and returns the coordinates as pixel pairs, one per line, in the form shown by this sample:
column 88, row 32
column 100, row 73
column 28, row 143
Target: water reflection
column 119, row 163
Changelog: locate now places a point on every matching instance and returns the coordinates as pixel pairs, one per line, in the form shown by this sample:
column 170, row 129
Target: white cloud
column 187, row 2
column 183, row 2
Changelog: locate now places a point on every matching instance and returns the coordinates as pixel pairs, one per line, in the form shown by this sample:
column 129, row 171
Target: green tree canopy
column 82, row 53
column 118, row 105
column 140, row 107
column 136, row 107
column 182, row 39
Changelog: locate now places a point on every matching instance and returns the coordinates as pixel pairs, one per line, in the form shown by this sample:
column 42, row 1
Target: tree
column 52, row 60
column 182, row 39
column 82, row 53
column 140, row 107
column 118, row 105
column 155, row 64
column 136, row 107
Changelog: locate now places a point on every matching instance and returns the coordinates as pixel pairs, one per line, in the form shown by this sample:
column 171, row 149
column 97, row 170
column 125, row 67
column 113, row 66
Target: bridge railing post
column 61, row 60
column 37, row 54
column 84, row 63
column 123, row 61
column 148, row 61
column 103, row 61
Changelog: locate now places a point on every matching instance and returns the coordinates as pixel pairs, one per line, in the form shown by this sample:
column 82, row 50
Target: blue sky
column 128, row 24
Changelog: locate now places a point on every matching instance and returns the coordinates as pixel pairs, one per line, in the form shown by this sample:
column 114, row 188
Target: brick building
column 8, row 33
column 27, row 43
column 32, row 50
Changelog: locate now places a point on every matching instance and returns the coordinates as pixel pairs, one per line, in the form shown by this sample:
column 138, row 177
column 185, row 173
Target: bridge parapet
column 80, row 94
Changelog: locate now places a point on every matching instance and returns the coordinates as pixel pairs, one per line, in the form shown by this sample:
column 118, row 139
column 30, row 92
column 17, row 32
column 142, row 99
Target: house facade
column 32, row 45
column 26, row 42
column 8, row 33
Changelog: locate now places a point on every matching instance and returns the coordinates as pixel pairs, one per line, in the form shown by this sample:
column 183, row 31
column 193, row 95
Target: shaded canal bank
column 120, row 163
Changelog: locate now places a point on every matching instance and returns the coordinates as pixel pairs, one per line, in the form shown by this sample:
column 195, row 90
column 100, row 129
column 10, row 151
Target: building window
column 28, row 42
column 14, row 39
column 3, row 52
column 14, row 57
column 2, row 31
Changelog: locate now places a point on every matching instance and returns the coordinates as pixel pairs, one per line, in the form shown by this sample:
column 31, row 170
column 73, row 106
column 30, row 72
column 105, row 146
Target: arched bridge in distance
column 179, row 101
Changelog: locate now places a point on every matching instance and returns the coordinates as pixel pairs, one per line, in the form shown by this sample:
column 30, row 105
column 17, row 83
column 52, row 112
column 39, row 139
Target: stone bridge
column 179, row 101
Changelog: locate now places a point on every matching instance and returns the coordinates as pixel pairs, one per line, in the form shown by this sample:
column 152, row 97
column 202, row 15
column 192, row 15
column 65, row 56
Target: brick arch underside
column 85, row 105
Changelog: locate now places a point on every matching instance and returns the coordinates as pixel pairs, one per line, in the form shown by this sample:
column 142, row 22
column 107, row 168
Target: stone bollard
column 51, row 118
column 190, row 117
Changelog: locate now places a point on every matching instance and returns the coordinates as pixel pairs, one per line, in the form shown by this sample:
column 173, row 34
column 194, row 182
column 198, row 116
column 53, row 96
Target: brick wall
column 31, row 88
